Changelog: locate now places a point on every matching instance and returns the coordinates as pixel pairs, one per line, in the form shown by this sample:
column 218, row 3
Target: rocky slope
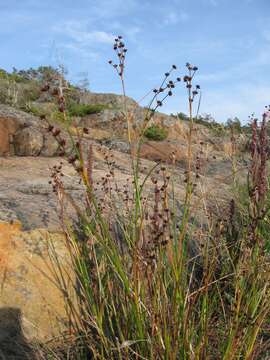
column 29, row 208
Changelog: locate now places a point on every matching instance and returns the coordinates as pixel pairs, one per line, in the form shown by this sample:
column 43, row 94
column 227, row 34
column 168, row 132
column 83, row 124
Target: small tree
column 234, row 123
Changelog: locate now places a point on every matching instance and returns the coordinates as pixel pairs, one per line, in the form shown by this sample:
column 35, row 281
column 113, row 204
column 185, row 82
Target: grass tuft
column 146, row 280
column 85, row 109
column 156, row 133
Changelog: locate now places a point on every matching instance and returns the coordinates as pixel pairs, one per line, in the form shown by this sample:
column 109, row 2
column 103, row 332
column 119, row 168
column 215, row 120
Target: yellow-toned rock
column 27, row 283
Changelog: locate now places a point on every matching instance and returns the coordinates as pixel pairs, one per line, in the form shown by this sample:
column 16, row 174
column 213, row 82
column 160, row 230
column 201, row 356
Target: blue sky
column 229, row 40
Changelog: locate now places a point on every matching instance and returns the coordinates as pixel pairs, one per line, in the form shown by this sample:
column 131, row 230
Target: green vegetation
column 57, row 116
column 85, row 109
column 242, row 197
column 218, row 128
column 42, row 73
column 32, row 109
column 156, row 133
column 148, row 281
column 146, row 290
column 208, row 121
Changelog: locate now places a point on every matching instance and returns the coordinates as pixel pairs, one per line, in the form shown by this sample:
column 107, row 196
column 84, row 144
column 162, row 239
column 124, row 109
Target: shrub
column 57, row 116
column 145, row 291
column 85, row 109
column 156, row 133
column 32, row 109
column 3, row 74
column 139, row 288
column 30, row 92
column 182, row 116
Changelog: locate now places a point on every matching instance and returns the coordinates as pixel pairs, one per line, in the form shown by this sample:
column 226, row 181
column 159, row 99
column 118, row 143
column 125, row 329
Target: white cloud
column 129, row 32
column 78, row 31
column 174, row 17
column 241, row 70
column 109, row 9
column 78, row 50
column 100, row 36
column 76, row 38
column 240, row 101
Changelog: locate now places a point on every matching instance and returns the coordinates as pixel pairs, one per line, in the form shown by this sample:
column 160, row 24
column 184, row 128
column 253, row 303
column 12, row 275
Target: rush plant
column 137, row 286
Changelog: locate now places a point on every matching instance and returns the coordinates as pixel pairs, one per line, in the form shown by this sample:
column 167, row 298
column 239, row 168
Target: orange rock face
column 24, row 259
column 163, row 151
column 7, row 231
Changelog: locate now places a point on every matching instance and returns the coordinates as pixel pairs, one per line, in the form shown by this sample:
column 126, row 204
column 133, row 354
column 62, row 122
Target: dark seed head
column 45, row 88
column 72, row 159
column 61, row 107
column 56, row 132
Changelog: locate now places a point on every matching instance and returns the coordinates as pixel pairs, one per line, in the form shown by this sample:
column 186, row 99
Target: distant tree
column 3, row 74
column 83, row 83
column 182, row 116
column 208, row 118
column 42, row 73
column 234, row 123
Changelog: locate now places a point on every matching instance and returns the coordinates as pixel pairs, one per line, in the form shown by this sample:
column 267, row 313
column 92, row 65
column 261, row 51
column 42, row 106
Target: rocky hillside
column 29, row 208
column 27, row 152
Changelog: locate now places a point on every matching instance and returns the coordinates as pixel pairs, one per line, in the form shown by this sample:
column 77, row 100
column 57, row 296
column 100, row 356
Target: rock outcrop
column 11, row 122
column 112, row 100
column 29, row 209
column 26, row 283
column 22, row 134
column 28, row 142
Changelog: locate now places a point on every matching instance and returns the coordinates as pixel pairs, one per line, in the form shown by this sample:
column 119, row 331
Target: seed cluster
column 166, row 87
column 258, row 182
column 188, row 80
column 120, row 50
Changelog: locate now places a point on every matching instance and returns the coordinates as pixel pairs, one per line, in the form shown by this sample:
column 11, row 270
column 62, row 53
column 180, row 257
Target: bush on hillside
column 85, row 109
column 156, row 133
